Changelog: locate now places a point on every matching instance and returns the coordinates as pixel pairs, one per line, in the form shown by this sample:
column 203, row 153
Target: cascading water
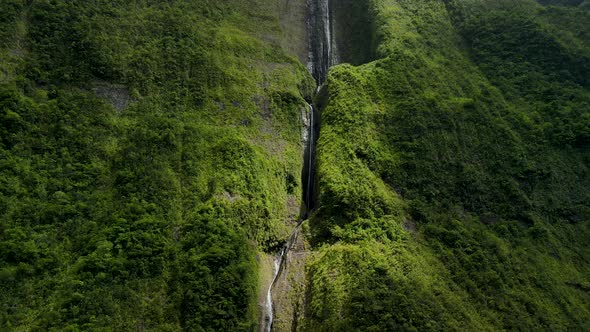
column 322, row 55
column 269, row 308
column 310, row 146
column 278, row 267
column 280, row 258
column 322, row 48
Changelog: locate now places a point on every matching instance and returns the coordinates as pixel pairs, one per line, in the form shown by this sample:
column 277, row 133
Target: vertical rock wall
column 293, row 18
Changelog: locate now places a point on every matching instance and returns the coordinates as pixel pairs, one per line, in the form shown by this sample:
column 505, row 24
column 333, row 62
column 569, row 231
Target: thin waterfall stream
column 279, row 259
column 322, row 55
column 310, row 155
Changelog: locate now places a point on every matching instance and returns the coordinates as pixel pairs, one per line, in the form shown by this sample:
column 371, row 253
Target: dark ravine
column 322, row 55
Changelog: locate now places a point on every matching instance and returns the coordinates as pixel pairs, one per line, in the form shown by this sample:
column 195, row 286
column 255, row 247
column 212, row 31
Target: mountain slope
column 149, row 151
column 453, row 173
column 151, row 157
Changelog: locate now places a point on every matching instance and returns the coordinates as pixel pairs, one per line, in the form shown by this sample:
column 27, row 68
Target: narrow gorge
column 321, row 55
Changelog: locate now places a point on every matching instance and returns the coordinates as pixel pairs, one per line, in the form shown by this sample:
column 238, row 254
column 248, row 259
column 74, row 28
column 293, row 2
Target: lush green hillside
column 454, row 172
column 148, row 150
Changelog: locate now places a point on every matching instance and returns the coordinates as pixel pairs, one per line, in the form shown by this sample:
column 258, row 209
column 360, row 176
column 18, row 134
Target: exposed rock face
column 293, row 17
column 339, row 31
column 322, row 48
column 289, row 288
column 353, row 36
column 116, row 94
column 309, row 32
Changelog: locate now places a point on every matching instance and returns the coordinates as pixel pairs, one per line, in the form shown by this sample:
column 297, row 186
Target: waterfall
column 269, row 308
column 278, row 267
column 281, row 257
column 310, row 155
column 322, row 55
column 322, row 47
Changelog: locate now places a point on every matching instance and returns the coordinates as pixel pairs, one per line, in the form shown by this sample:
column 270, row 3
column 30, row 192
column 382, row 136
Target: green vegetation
column 148, row 151
column 453, row 173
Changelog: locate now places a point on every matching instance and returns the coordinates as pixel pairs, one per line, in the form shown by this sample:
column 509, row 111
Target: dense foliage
column 148, row 151
column 454, row 172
